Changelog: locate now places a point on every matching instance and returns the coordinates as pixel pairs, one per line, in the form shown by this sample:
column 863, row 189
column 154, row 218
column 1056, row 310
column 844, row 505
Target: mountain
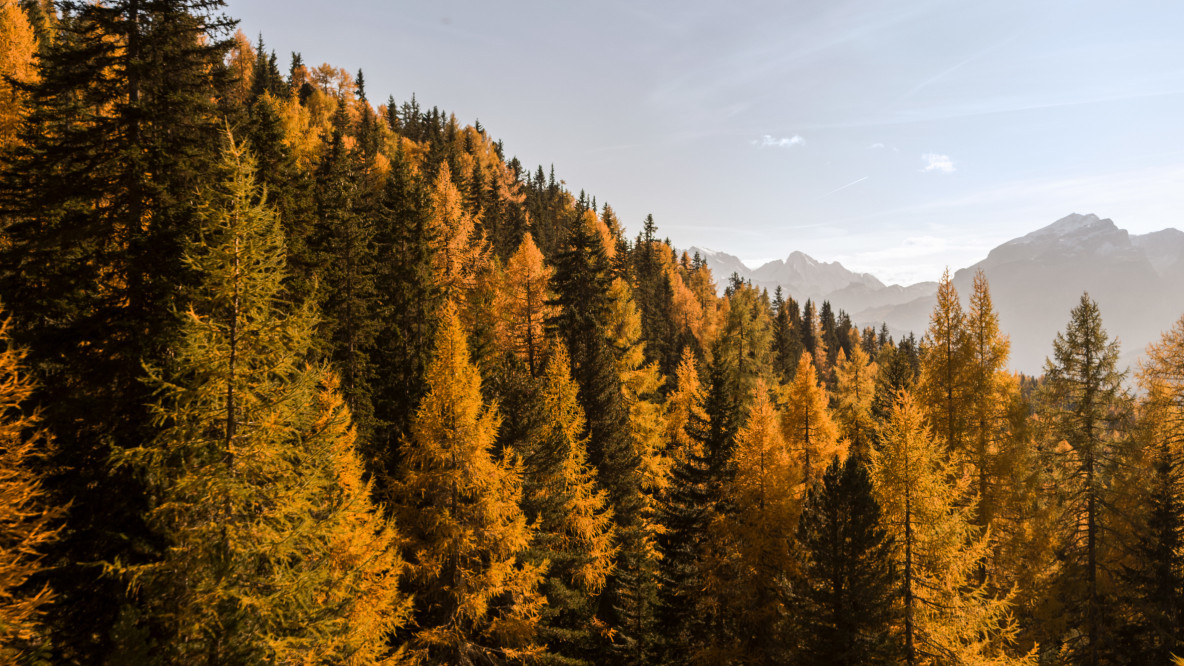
column 803, row 277
column 1036, row 279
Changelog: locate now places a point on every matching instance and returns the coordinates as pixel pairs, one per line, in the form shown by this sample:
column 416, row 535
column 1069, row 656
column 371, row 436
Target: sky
column 894, row 136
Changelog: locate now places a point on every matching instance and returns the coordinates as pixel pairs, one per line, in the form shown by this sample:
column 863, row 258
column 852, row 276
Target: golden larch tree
column 806, row 425
column 752, row 543
column 476, row 599
column 928, row 509
column 855, row 393
column 573, row 522
column 524, row 304
column 28, row 523
column 18, row 45
column 272, row 550
column 942, row 390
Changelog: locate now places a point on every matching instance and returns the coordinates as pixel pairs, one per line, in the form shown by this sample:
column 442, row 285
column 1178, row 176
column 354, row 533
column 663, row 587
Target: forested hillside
column 292, row 376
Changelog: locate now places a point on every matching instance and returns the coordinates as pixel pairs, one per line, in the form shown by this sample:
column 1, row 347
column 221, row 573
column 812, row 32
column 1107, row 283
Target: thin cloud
column 770, row 141
column 876, row 146
column 938, row 162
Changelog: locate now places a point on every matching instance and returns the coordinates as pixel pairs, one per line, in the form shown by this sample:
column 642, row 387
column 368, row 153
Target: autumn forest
column 290, row 374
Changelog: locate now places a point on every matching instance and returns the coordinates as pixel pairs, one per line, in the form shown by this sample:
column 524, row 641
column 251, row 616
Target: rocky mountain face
column 1137, row 280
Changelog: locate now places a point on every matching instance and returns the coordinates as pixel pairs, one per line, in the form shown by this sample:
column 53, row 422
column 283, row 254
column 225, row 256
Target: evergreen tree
column 787, row 344
column 344, row 255
column 573, row 525
column 28, row 523
column 1085, row 406
column 98, row 199
column 273, row 551
column 405, row 245
column 843, row 601
column 476, row 600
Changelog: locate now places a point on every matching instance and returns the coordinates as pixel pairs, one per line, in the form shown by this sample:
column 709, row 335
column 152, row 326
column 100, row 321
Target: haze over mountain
column 1035, row 280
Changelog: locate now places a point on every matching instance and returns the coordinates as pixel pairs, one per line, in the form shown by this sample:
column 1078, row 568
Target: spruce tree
column 272, row 549
column 476, row 599
column 843, row 601
column 98, row 200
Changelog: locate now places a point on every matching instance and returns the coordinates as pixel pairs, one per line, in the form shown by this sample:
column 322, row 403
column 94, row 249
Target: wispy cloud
column 840, row 189
column 876, row 146
column 770, row 141
column 938, row 162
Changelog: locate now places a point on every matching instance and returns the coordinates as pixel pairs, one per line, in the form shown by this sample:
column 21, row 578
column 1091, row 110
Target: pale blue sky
column 896, row 136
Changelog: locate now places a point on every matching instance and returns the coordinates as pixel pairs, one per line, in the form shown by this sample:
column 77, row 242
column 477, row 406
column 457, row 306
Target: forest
column 288, row 376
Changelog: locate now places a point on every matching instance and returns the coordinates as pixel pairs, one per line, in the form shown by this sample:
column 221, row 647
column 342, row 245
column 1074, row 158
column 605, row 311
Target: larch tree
column 1154, row 580
column 272, row 550
column 928, row 508
column 574, row 529
column 684, row 511
column 843, row 601
column 942, row 384
column 1085, row 409
column 636, row 593
column 18, row 45
column 753, row 541
column 524, row 304
column 476, row 598
column 28, row 522
column 806, row 425
column 855, row 394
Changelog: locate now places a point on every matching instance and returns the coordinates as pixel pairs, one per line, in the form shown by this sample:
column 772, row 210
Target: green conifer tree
column 98, row 201
column 1086, row 407
column 843, row 601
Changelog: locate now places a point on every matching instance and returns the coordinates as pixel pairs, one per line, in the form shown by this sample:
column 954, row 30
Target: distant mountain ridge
column 1137, row 280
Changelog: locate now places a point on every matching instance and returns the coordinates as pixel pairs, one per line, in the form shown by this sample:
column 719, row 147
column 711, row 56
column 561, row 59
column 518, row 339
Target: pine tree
column 806, row 425
column 272, row 549
column 843, row 602
column 927, row 509
column 855, row 393
column 476, row 600
column 28, row 522
column 1085, row 406
column 98, row 199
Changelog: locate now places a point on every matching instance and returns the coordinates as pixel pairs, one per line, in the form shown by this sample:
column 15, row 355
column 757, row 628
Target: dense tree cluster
column 289, row 377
